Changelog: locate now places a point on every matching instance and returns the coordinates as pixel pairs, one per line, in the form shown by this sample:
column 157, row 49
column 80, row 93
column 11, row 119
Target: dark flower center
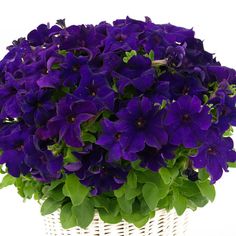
column 117, row 136
column 140, row 122
column 19, row 147
column 186, row 117
column 92, row 91
column 71, row 119
column 185, row 90
column 211, row 151
column 120, row 37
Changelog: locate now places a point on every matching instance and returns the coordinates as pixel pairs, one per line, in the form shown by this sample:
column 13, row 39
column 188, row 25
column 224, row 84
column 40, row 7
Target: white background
column 213, row 21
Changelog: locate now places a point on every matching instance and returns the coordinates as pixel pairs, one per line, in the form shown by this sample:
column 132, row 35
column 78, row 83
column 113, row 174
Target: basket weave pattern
column 163, row 224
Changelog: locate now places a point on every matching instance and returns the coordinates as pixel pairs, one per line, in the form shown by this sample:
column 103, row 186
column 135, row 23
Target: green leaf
column 7, row 180
column 84, row 213
column 128, row 55
column 142, row 222
column 67, row 219
column 28, row 189
column 203, row 174
column 62, row 52
column 179, row 202
column 151, row 195
column 69, row 157
column 75, row 190
column 88, row 137
column 232, row 164
column 125, row 205
column 49, row 206
column 109, row 205
column 207, row 189
column 189, row 188
column 198, row 200
column 131, row 193
column 120, row 191
column 56, row 193
column 136, row 166
column 132, row 179
column 165, row 175
column 151, row 55
column 109, row 218
column 229, row 132
column 154, row 178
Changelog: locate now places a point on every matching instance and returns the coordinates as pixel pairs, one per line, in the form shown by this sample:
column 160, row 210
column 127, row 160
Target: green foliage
column 84, row 213
column 68, row 220
column 179, row 202
column 49, row 206
column 151, row 195
column 7, row 180
column 229, row 132
column 232, row 88
column 207, row 189
column 75, row 190
column 132, row 179
column 128, row 55
column 27, row 187
column 150, row 55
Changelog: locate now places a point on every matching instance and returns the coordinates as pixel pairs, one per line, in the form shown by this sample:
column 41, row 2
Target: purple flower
column 37, row 107
column 154, row 158
column 66, row 125
column 185, row 85
column 187, row 120
column 175, row 55
column 95, row 87
column 44, row 165
column 140, row 123
column 13, row 154
column 93, row 171
column 10, row 94
column 214, row 155
column 137, row 72
column 110, row 140
column 43, row 34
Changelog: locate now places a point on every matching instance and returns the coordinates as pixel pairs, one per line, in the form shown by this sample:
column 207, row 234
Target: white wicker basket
column 163, row 224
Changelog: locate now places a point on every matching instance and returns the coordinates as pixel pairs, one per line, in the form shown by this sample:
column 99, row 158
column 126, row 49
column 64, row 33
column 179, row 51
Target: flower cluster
column 113, row 94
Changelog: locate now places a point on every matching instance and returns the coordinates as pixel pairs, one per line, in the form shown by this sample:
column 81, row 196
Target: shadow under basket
column 162, row 224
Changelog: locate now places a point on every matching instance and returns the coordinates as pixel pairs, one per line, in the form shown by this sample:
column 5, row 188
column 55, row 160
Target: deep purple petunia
column 93, row 171
column 110, row 140
column 175, row 55
column 37, row 107
column 66, row 124
column 214, row 155
column 13, row 154
column 187, row 121
column 140, row 123
column 154, row 158
column 45, row 167
column 137, row 72
column 95, row 87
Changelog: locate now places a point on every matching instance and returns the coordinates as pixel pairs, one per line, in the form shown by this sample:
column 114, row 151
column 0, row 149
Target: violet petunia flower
column 154, row 158
column 93, row 171
column 13, row 154
column 214, row 155
column 137, row 72
column 140, row 123
column 45, row 167
column 37, row 107
column 187, row 121
column 66, row 124
column 95, row 87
